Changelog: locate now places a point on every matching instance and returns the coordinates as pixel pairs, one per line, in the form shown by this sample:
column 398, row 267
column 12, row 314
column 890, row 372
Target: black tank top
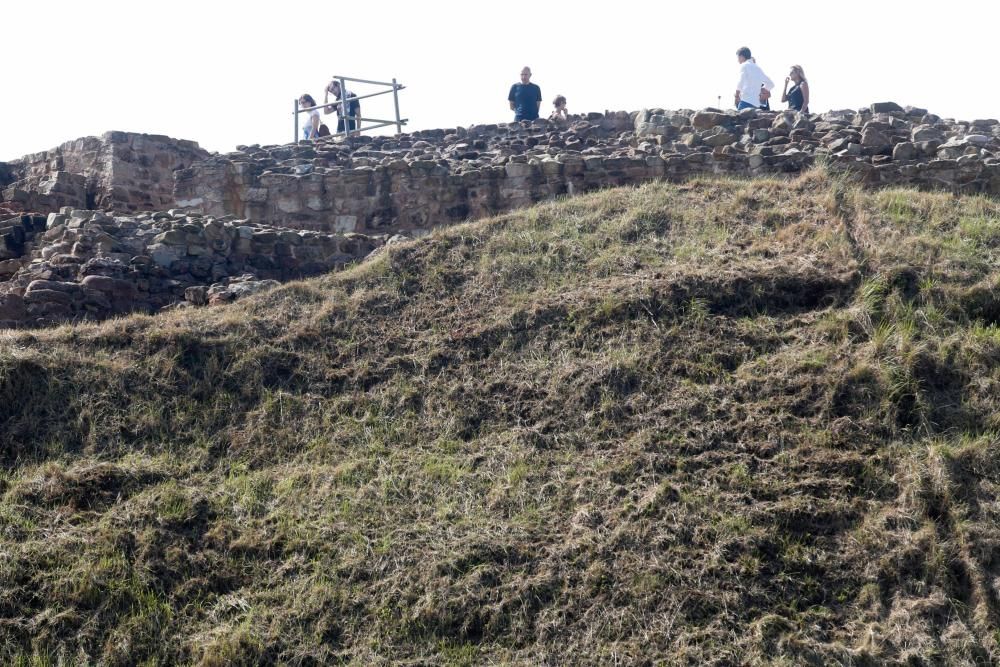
column 795, row 97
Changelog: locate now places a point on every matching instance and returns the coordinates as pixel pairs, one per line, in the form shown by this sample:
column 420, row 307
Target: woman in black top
column 798, row 96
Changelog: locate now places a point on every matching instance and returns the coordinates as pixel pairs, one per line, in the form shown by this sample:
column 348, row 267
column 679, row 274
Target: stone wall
column 272, row 213
column 409, row 183
column 413, row 182
column 82, row 264
column 118, row 171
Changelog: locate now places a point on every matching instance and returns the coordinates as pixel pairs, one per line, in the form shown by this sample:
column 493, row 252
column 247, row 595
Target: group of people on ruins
column 314, row 127
column 753, row 91
column 525, row 99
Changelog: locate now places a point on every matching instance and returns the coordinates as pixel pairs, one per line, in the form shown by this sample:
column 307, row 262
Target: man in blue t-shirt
column 525, row 98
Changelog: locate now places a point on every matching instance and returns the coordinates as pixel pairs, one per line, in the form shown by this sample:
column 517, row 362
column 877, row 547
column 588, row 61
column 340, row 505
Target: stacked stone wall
column 412, row 183
column 406, row 184
column 118, row 171
column 271, row 213
column 82, row 264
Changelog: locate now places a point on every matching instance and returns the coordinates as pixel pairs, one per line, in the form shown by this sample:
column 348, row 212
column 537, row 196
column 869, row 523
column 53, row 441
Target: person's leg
column 340, row 125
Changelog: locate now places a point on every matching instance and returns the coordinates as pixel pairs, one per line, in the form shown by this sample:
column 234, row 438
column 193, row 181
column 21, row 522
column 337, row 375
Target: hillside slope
column 724, row 422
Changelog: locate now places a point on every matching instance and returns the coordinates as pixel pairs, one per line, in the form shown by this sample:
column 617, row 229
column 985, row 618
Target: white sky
column 224, row 74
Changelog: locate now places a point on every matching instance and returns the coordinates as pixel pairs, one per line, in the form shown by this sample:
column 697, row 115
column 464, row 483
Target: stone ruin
column 85, row 264
column 128, row 222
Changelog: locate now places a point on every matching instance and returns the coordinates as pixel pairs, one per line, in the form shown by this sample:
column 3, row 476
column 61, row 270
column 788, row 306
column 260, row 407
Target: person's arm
column 805, row 97
column 510, row 97
column 784, row 92
column 314, row 119
column 538, row 105
column 767, row 82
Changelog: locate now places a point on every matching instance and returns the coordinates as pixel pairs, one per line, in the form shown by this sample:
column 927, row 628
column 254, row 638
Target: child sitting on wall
column 559, row 114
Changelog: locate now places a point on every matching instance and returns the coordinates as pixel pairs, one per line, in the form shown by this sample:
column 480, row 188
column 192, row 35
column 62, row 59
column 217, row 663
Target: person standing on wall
column 350, row 123
column 798, row 96
column 525, row 98
column 752, row 80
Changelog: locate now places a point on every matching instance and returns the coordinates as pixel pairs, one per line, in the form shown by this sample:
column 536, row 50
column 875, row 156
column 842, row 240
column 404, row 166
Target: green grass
column 718, row 422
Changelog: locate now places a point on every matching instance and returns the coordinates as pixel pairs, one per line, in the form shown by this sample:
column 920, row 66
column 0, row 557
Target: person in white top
column 752, row 79
column 310, row 130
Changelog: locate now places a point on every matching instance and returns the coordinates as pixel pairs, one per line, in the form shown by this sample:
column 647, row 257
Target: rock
column 703, row 120
column 904, row 151
column 874, row 138
column 717, row 136
column 887, row 107
column 47, row 295
column 197, row 295
column 9, row 267
column 12, row 308
column 784, row 122
column 924, row 133
column 163, row 255
column 51, row 286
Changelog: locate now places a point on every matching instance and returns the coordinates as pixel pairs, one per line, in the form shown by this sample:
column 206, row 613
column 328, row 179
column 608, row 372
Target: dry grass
column 722, row 422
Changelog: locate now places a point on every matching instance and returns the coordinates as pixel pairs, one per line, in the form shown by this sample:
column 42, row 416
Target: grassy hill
column 723, row 422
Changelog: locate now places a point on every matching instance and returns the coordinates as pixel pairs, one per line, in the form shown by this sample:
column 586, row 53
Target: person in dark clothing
column 798, row 96
column 525, row 98
column 347, row 120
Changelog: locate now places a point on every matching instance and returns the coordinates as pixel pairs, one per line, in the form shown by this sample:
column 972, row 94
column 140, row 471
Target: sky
column 225, row 74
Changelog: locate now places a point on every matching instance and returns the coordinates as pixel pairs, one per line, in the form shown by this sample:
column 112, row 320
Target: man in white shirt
column 752, row 79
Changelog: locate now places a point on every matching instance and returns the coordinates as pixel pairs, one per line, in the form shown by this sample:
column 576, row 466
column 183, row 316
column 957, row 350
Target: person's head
column 334, row 87
column 306, row 100
column 526, row 74
column 559, row 102
column 798, row 75
column 743, row 54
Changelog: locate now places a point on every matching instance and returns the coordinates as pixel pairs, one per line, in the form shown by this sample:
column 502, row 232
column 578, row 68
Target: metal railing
column 394, row 89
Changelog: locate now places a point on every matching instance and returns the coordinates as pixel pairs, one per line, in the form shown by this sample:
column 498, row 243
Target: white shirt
column 752, row 78
column 307, row 131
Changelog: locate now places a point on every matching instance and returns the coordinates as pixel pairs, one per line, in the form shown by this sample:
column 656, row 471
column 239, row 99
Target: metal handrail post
column 295, row 113
column 395, row 101
column 344, row 107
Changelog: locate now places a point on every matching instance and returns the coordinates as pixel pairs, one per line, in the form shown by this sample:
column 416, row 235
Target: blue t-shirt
column 526, row 98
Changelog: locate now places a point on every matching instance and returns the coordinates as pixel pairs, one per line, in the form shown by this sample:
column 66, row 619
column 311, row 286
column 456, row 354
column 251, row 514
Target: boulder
column 703, row 120
column 717, row 136
column 904, row 151
column 887, row 107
